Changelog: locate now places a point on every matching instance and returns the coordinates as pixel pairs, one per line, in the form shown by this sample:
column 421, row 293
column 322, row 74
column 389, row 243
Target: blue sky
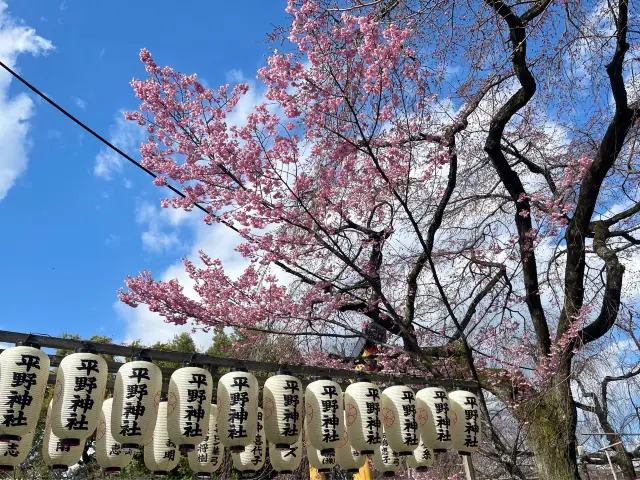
column 74, row 219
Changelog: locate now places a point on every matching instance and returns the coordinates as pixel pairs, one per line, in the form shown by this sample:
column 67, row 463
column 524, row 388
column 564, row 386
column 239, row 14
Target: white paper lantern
column 207, row 457
column 109, row 454
column 78, row 396
column 398, row 415
column 55, row 454
column 282, row 403
column 251, row 459
column 385, row 459
column 362, row 416
column 465, row 421
column 189, row 397
column 161, row 455
column 347, row 457
column 24, row 371
column 237, row 406
column 136, row 396
column 324, row 414
column 323, row 462
column 421, row 459
column 14, row 452
column 287, row 460
column 434, row 419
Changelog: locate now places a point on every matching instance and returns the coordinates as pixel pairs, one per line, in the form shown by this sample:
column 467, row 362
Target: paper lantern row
column 343, row 427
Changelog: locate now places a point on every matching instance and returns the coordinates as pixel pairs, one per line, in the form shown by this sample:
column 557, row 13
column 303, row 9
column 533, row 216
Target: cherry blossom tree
column 456, row 182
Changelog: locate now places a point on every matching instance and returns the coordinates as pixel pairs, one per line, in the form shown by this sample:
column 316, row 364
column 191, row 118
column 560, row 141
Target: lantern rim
column 327, row 452
column 389, row 474
column 164, row 399
column 324, row 470
column 160, row 473
column 285, row 472
column 439, row 450
column 325, row 377
column 422, row 469
column 186, row 447
column 283, row 446
column 353, row 470
column 28, row 343
column 6, row 468
column 367, row 452
column 131, row 445
column 239, row 368
column 464, row 454
column 203, row 475
column 237, row 449
column 284, row 371
column 59, row 468
column 7, row 437
column 362, row 378
column 405, row 454
column 111, row 470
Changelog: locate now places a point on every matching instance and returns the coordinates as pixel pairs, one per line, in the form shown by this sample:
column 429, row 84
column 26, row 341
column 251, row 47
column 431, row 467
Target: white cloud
column 15, row 39
column 160, row 232
column 112, row 240
column 63, row 6
column 80, row 103
column 126, row 136
column 127, row 183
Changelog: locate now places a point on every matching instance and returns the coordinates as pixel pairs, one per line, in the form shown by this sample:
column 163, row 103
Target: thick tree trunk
column 549, row 423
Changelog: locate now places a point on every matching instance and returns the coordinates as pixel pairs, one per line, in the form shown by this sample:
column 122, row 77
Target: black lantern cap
column 86, row 349
column 389, row 474
column 284, row 371
column 186, row 447
column 422, row 469
column 111, row 470
column 142, row 355
column 239, row 368
column 28, row 343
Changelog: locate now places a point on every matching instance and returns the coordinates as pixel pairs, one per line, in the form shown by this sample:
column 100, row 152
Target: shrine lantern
column 208, row 455
column 78, row 396
column 434, row 418
column 136, row 396
column 362, row 416
column 109, row 454
column 398, row 415
column 347, row 457
column 24, row 372
column 190, row 390
column 324, row 414
column 287, row 460
column 282, row 402
column 385, row 460
column 251, row 459
column 421, row 459
column 57, row 455
column 161, row 455
column 323, row 462
column 465, row 422
column 237, row 406
column 14, row 452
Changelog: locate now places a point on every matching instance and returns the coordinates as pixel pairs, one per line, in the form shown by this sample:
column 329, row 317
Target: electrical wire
column 93, row 132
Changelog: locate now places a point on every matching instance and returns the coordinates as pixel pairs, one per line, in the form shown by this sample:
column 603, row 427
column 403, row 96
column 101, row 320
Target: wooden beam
column 301, row 370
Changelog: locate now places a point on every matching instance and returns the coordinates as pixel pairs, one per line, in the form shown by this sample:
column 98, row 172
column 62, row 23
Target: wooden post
column 469, row 471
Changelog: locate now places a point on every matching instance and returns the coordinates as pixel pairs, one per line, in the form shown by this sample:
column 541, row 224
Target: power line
column 93, row 132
